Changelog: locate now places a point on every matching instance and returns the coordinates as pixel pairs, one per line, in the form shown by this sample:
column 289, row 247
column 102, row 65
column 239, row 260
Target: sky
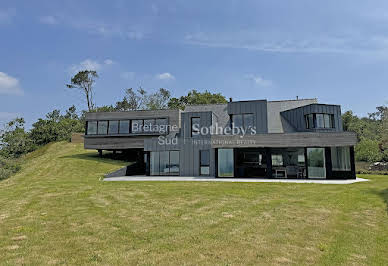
column 336, row 51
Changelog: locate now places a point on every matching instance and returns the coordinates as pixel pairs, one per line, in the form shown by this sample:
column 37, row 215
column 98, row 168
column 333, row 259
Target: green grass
column 57, row 211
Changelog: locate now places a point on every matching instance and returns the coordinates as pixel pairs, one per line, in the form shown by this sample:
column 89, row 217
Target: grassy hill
column 57, row 211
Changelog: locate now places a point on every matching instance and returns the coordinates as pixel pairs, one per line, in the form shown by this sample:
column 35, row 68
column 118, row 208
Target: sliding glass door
column 225, row 163
column 164, row 163
column 316, row 163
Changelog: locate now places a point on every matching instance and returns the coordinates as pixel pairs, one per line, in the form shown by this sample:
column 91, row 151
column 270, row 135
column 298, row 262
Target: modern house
column 271, row 139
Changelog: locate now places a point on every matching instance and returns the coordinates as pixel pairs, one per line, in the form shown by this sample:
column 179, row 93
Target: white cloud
column 259, row 80
column 108, row 62
column 9, row 85
column 165, row 76
column 128, row 75
column 90, row 64
column 50, row 20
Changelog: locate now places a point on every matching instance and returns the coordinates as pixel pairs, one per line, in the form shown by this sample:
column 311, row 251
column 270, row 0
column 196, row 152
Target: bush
column 368, row 151
column 8, row 167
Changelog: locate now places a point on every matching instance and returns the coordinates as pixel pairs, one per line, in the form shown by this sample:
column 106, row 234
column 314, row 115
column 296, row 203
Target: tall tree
column 195, row 97
column 141, row 100
column 84, row 81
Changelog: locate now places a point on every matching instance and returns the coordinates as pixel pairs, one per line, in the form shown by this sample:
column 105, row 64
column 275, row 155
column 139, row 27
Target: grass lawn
column 57, row 211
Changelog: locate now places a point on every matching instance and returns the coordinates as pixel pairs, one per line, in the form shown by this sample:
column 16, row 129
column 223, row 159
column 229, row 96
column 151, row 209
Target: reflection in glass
column 113, row 127
column 174, row 162
column 316, row 162
column 237, row 121
column 340, row 158
column 137, row 126
column 124, row 127
column 164, row 165
column 225, row 163
column 92, row 128
column 154, row 163
column 102, row 127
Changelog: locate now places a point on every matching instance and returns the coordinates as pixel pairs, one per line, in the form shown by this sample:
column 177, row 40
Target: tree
column 56, row 127
column 84, row 81
column 132, row 100
column 195, row 97
column 14, row 140
column 141, row 100
column 368, row 150
column 158, row 100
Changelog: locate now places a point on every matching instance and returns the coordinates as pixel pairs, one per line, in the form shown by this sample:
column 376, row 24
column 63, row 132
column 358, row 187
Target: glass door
column 316, row 163
column 225, row 163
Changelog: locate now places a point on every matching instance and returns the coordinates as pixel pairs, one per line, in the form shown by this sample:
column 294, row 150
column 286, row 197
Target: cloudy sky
column 336, row 51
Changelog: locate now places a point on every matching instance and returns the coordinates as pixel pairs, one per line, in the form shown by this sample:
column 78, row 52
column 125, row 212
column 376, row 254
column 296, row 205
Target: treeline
column 372, row 134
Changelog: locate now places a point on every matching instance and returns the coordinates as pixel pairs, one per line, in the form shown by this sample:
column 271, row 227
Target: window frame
column 118, row 124
column 331, row 121
column 207, row 165
column 242, row 119
column 87, row 127
column 98, row 127
column 191, row 125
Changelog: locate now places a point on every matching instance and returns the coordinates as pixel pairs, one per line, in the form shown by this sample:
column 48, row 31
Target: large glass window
column 92, row 128
column 102, row 127
column 277, row 159
column 225, row 163
column 245, row 121
column 237, row 121
column 195, row 126
column 113, row 127
column 154, row 163
column 149, row 125
column 340, row 158
column 316, row 162
column 204, row 159
column 124, row 127
column 164, row 163
column 174, row 162
column 319, row 121
column 137, row 126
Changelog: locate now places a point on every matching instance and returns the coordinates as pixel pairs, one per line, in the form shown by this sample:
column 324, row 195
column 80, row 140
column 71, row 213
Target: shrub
column 8, row 167
column 368, row 150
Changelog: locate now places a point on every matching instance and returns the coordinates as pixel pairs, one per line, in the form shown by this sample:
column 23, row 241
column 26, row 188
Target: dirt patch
column 19, row 238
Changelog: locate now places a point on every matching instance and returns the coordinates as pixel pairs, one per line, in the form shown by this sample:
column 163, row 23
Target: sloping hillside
column 57, row 211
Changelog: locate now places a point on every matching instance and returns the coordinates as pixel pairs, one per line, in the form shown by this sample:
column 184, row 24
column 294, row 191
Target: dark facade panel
column 257, row 108
column 296, row 117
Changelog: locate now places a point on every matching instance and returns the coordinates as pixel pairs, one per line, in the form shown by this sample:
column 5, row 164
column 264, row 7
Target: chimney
column 230, row 99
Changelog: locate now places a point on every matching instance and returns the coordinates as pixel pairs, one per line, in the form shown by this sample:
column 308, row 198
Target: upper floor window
column 136, row 126
column 102, row 128
column 92, row 128
column 124, row 127
column 195, row 126
column 113, row 127
column 245, row 121
column 319, row 121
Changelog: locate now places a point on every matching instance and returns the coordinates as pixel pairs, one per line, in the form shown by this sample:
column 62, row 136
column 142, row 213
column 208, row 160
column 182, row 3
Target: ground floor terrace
column 278, row 163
